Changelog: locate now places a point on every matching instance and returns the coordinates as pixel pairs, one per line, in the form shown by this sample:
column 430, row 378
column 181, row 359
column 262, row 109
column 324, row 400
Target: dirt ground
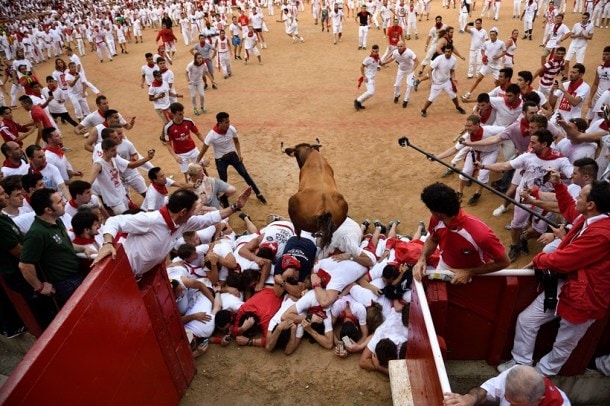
column 300, row 93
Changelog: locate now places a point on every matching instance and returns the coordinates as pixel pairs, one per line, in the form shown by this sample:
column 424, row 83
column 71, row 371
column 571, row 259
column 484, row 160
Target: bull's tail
column 325, row 228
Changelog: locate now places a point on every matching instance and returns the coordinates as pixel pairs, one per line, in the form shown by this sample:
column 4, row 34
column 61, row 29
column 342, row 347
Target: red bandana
column 360, row 80
column 528, row 90
column 159, row 188
column 550, row 155
column 525, row 127
column 218, row 130
column 375, row 57
column 556, row 27
column 573, row 86
column 511, row 106
column 11, row 164
column 477, row 136
column 83, row 241
column 156, row 83
column 168, row 220
column 72, row 203
column 151, row 65
column 484, row 116
column 56, row 150
column 164, row 70
column 34, row 170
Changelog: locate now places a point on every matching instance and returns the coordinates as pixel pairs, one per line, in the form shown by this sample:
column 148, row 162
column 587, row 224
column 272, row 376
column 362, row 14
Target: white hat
column 495, row 29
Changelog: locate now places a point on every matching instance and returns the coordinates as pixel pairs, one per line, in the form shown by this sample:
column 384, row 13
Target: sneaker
column 499, row 211
column 515, row 251
column 261, row 198
column 396, row 99
column 448, row 172
column 466, row 96
column 506, row 365
column 214, row 86
column 416, row 83
column 404, row 104
column 202, row 110
column 205, row 86
column 243, row 215
column 524, row 247
column 196, row 112
column 423, row 113
column 461, row 110
column 358, row 105
column 86, row 135
column 508, row 227
column 474, row 199
column 422, row 226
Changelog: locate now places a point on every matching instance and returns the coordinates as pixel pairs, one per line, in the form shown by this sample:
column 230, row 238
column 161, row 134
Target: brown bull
column 317, row 207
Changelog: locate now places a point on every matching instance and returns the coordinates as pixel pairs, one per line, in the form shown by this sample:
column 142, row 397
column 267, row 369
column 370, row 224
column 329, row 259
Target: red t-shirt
column 10, row 131
column 394, row 34
column 41, row 116
column 180, row 135
column 264, row 304
column 467, row 242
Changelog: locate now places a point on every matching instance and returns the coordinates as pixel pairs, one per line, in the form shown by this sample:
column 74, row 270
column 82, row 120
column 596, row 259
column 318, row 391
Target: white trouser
column 517, row 8
column 101, row 47
column 474, row 62
column 412, row 25
column 81, row 108
column 224, row 60
column 363, row 32
column 486, row 158
column 528, row 324
column 370, row 90
column 408, row 77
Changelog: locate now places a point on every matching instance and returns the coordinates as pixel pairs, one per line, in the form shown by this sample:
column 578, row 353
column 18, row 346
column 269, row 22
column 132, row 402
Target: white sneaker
column 86, row 135
column 506, row 365
column 466, row 96
column 500, row 211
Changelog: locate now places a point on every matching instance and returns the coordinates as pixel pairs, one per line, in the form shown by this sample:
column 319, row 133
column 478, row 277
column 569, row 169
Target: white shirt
column 61, row 163
column 564, row 107
column 441, row 69
column 222, row 144
column 391, row 328
column 477, row 38
column 155, row 200
column 493, row 48
column 576, row 151
column 405, row 60
column 149, row 239
column 535, row 169
column 342, row 273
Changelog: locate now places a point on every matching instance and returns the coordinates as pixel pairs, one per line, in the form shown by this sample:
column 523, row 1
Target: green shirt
column 49, row 246
column 10, row 237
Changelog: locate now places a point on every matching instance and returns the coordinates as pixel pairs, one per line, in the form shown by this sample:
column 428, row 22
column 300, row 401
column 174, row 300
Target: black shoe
column 515, row 251
column 416, row 84
column 214, row 86
column 377, row 223
column 243, row 215
column 524, row 247
column 392, row 222
column 396, row 99
column 366, row 223
column 461, row 110
column 404, row 104
column 261, row 198
column 205, row 86
column 358, row 105
column 474, row 199
column 423, row 113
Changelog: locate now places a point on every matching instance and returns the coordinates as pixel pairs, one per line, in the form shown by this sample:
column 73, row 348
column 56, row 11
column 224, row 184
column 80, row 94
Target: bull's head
column 301, row 151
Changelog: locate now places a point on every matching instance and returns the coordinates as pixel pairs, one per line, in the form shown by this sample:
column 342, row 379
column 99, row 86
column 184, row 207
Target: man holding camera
column 583, row 260
column 568, row 98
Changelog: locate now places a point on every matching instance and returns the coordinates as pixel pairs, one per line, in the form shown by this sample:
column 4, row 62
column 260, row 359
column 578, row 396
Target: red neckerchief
column 83, row 241
column 168, row 220
column 218, row 130
column 72, row 203
column 478, row 135
column 529, row 89
column 524, row 125
column 27, row 198
column 506, row 85
column 484, row 116
column 250, row 33
column 375, row 57
column 360, row 80
column 150, row 65
column 556, row 27
column 34, row 170
column 159, row 188
column 11, row 164
column 56, row 150
column 438, row 26
column 510, row 106
column 573, row 86
column 411, row 9
column 164, row 70
column 550, row 155
column 100, row 113
column 156, row 83
column 606, row 64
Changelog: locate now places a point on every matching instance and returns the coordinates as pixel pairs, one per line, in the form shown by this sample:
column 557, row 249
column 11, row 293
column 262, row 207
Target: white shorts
column 487, row 69
column 254, row 50
column 188, row 158
column 435, row 90
column 520, row 218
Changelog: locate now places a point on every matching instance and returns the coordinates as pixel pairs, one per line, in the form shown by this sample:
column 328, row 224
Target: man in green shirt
column 48, row 249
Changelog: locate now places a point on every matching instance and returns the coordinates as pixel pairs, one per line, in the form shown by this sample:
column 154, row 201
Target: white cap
column 495, row 29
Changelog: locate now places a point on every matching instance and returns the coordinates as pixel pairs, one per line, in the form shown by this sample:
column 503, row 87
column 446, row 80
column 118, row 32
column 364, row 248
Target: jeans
column 64, row 289
column 231, row 159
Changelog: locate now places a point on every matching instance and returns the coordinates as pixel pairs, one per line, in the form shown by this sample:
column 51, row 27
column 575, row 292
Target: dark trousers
column 231, row 159
column 64, row 289
column 42, row 307
column 65, row 117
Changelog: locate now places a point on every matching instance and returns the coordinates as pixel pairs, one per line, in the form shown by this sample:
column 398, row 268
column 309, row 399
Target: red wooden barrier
column 102, row 348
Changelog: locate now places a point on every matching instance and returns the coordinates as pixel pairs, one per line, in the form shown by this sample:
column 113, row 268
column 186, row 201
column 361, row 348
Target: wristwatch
column 235, row 208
